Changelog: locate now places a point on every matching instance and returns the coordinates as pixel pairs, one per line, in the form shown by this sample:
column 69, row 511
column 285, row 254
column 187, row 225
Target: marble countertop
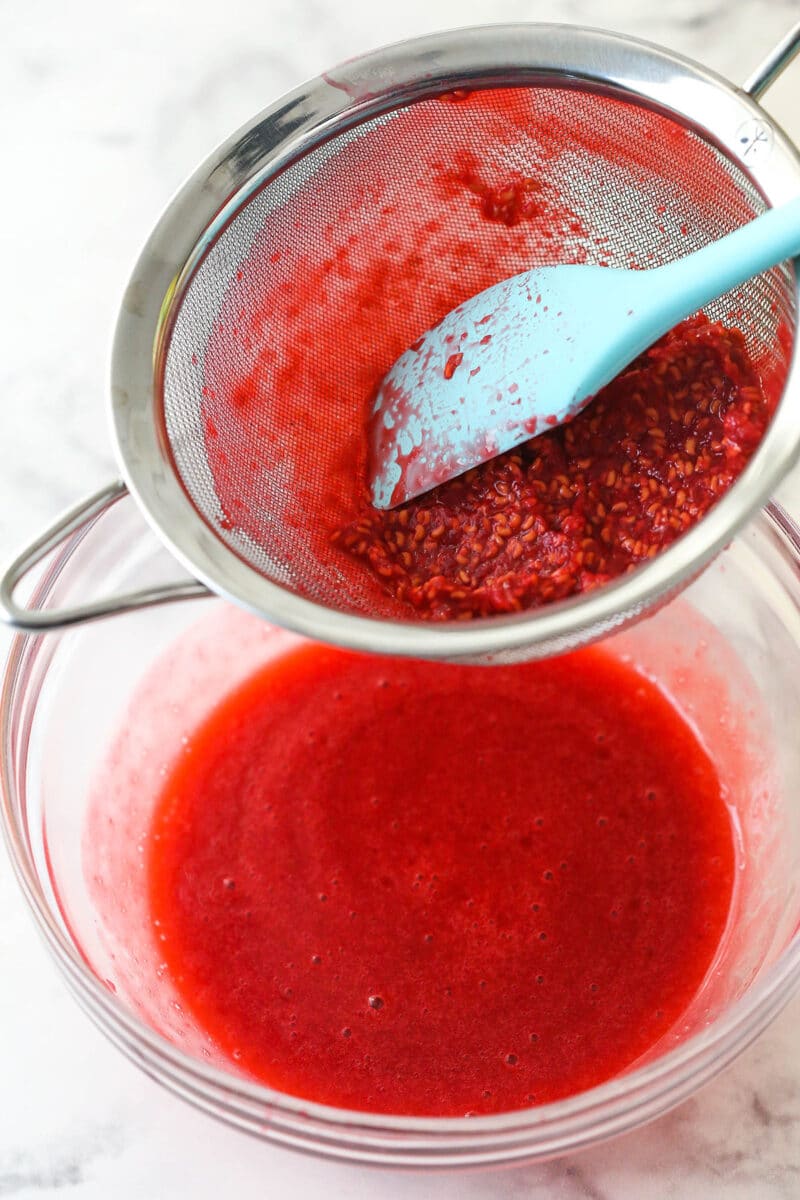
column 104, row 109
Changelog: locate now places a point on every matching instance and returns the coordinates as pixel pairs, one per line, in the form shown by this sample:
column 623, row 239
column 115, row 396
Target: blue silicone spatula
column 528, row 353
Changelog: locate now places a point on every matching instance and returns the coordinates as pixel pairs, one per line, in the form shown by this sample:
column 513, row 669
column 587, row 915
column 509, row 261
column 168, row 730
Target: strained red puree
column 408, row 888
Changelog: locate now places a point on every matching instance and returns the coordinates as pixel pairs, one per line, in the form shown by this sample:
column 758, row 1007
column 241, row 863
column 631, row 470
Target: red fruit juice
column 434, row 890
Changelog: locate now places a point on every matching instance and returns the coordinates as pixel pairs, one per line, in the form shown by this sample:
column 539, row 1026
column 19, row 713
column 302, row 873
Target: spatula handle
column 691, row 282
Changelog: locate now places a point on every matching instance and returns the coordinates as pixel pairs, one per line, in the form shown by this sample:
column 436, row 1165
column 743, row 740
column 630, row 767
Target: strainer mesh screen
column 343, row 259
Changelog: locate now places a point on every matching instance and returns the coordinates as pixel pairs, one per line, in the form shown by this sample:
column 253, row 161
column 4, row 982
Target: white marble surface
column 104, row 108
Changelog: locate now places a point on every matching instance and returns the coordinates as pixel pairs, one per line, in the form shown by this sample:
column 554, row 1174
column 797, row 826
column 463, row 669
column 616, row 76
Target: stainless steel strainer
column 229, row 432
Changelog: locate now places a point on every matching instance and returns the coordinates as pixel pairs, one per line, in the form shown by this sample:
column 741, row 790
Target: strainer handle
column 76, row 521
column 774, row 64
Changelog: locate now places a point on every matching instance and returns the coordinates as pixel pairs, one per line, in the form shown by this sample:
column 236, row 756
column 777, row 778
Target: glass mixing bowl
column 727, row 651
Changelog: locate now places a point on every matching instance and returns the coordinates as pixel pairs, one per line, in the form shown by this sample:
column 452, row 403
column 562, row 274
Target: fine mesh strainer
column 231, row 426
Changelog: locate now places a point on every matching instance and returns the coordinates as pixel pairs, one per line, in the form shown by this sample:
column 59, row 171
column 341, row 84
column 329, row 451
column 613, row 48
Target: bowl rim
column 569, row 1122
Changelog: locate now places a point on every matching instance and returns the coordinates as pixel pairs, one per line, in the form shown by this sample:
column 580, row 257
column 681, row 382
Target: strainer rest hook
column 74, row 523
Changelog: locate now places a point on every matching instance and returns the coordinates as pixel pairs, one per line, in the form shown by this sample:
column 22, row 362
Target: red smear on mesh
column 385, row 239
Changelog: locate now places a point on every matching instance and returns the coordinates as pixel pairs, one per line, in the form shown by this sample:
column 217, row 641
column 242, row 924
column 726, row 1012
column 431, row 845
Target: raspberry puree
column 579, row 505
column 408, row 888
column 381, row 240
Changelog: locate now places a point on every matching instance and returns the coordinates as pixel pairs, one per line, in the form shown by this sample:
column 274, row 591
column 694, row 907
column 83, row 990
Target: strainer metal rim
column 544, row 55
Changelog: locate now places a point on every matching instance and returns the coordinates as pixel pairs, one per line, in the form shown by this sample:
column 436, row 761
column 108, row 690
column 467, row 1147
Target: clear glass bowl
column 727, row 651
